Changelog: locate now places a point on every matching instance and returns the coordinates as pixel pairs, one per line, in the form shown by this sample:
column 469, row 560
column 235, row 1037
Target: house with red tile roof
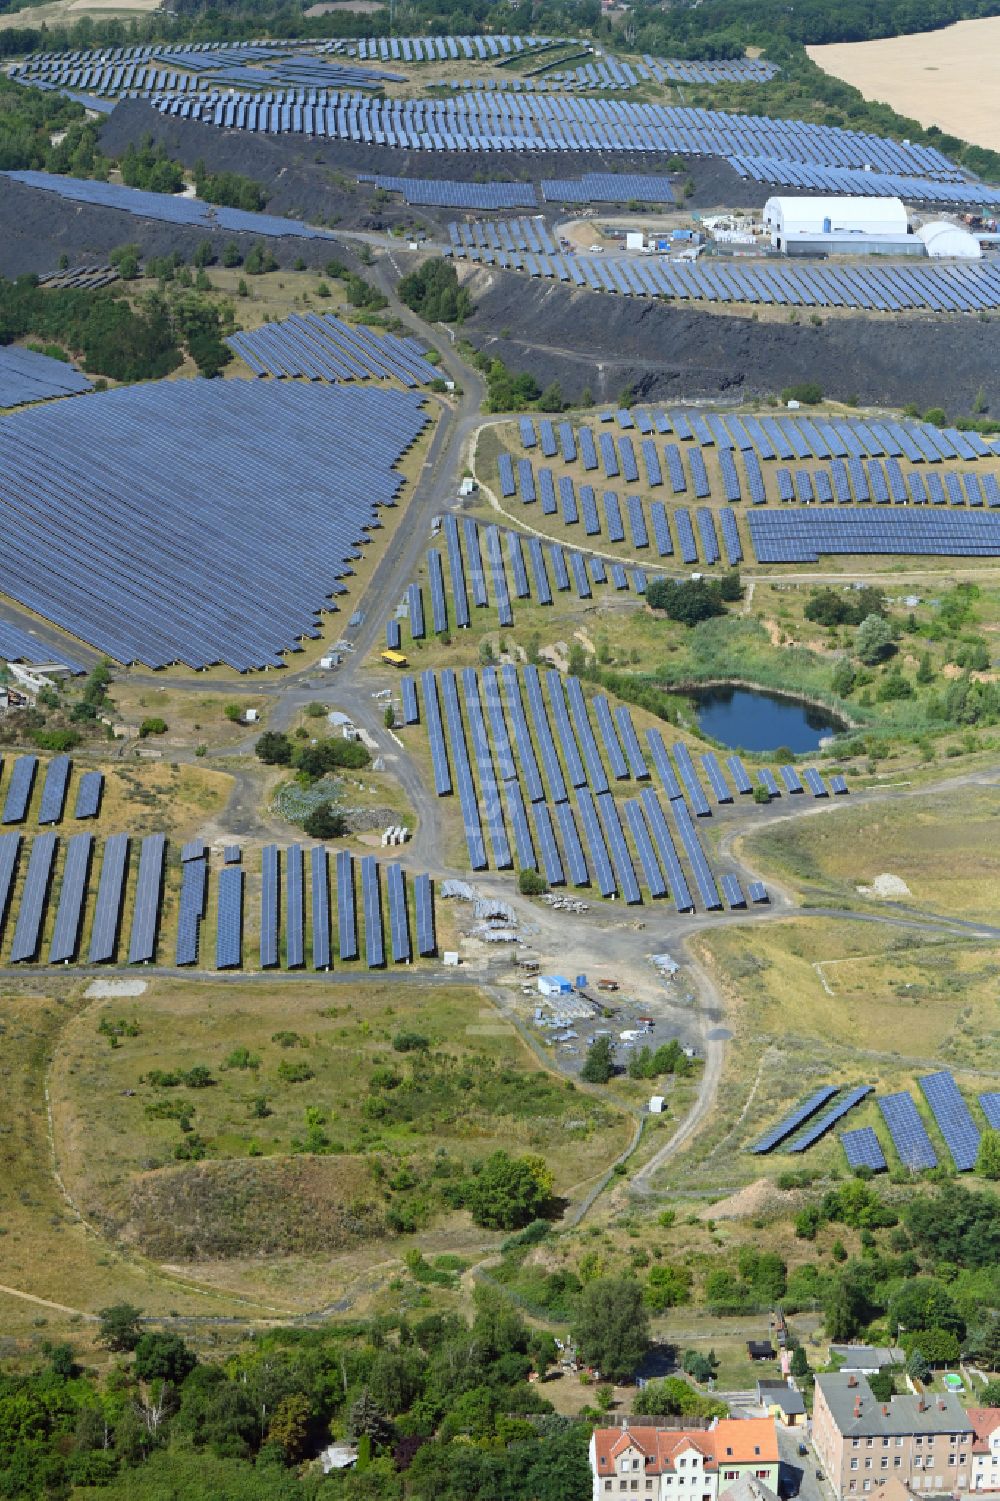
column 985, row 1448
column 638, row 1462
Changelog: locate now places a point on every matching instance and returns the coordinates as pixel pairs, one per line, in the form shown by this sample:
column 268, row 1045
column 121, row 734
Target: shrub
column 531, row 883
column 806, row 391
column 294, row 1073
column 325, row 822
column 153, row 726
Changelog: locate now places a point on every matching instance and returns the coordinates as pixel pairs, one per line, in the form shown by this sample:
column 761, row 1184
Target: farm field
column 945, row 78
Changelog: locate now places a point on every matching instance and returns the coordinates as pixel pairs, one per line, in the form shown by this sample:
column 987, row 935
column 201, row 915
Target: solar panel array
column 862, row 1148
column 607, row 187
column 908, row 1132
column 796, row 1118
column 26, row 376
column 17, row 645
column 483, row 748
column 155, row 552
column 803, row 535
column 283, row 940
column 166, row 206
column 319, row 346
column 953, row 1118
column 881, row 286
column 829, row 1118
column 444, row 192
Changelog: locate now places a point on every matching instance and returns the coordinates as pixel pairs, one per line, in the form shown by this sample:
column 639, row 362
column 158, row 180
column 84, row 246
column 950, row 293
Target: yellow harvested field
column 945, row 78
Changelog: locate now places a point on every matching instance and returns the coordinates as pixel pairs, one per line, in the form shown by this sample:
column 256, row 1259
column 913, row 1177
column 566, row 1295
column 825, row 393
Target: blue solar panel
column 758, row 891
column 148, row 892
column 630, row 743
column 10, row 847
column 713, row 771
column 69, row 915
column 411, row 709
column 908, row 1132
column 320, row 907
column 371, row 896
column 19, row 792
column 229, row 929
column 704, row 879
column 738, row 773
column 399, row 919
column 863, row 1149
column 733, row 892
column 572, row 848
column 423, row 902
column 990, row 1103
column 108, row 908
column 644, row 845
column 830, row 1118
column 668, row 854
column 194, row 883
column 294, row 907
column 53, row 799
column 347, row 918
column 89, row 793
column 815, row 782
column 954, row 1121
column 28, row 931
column 795, row 1119
column 689, row 776
column 269, row 896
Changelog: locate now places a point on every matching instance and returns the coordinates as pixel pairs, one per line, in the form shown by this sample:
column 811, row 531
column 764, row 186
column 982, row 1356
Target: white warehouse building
column 812, row 225
column 944, row 239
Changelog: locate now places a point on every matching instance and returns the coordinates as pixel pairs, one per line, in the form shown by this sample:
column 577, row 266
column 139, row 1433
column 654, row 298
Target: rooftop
column 857, row 1413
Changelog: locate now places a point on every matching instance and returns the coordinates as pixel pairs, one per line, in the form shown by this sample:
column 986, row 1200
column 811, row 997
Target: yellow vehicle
column 394, row 659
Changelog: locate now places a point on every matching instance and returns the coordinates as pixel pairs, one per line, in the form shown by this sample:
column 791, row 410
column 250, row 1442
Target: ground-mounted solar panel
column 767, row 781
column 609, row 735
column 990, row 1105
column 371, row 898
column 714, row 772
column 270, row 886
column 295, row 918
column 72, row 893
column 347, row 916
column 320, row 903
column 703, row 876
column 231, row 854
column 10, row 848
column 399, row 917
column 689, row 776
column 908, row 1132
column 22, row 781
column 621, row 859
column 794, row 1119
column 814, row 782
column 411, row 708
column 435, row 734
column 108, row 907
column 53, row 799
column 790, row 777
column 34, row 896
column 738, row 772
column 651, row 871
column 148, row 894
column 862, row 1148
column 830, row 1117
column 89, row 794
column 229, row 925
column 757, row 892
column 733, row 892
column 954, row 1120
column 423, row 906
column 191, row 907
column 838, row 785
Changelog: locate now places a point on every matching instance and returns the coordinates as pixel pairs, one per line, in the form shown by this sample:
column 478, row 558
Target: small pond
column 754, row 720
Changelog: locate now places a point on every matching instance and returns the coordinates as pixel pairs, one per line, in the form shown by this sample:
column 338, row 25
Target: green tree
column 988, row 1158
column 325, row 821
column 612, row 1326
column 599, row 1063
column 873, row 639
column 119, row 1327
column 688, row 601
column 808, row 392
column 800, row 1363
column 163, row 1357
column 289, row 1426
column 883, row 1386
column 918, row 1367
column 367, row 1420
column 925, row 672
column 274, row 748
column 508, row 1192
column 530, row 883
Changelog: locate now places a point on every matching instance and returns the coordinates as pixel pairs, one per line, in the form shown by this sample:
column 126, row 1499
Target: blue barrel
column 581, row 981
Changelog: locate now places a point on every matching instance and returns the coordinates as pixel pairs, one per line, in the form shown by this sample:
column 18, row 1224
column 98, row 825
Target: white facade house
column 985, row 1449
column 789, row 219
column 944, row 239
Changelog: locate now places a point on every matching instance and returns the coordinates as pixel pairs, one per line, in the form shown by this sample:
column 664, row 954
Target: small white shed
column 657, row 1104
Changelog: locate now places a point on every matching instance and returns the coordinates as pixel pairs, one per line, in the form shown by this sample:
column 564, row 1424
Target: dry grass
column 118, row 1162
column 945, row 78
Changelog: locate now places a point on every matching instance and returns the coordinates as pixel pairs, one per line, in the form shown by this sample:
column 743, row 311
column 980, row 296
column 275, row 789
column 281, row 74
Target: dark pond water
column 749, row 719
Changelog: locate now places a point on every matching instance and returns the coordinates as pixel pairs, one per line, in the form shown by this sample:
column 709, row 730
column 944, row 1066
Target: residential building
column 669, row 1464
column 985, row 1448
column 867, row 1360
column 924, row 1442
column 782, row 1402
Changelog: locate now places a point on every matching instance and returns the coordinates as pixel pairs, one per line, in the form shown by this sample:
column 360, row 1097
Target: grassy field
column 940, row 845
column 817, row 1001
column 328, row 1165
column 142, row 797
column 943, row 77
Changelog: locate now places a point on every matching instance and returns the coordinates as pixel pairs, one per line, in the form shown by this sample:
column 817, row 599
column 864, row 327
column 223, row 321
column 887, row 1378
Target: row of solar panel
column 52, row 801
column 785, row 438
column 492, row 784
column 166, row 206
column 883, row 286
column 319, row 346
column 803, row 534
column 26, row 376
column 69, row 922
column 134, row 552
column 488, row 121
column 905, row 1124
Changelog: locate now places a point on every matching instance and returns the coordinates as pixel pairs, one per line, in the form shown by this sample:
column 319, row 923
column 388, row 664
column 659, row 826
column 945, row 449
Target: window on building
column 853, row 1485
column 885, row 1443
column 869, row 1443
column 899, row 1442
column 897, row 1463
column 868, row 1485
column 855, row 1442
column 884, row 1464
column 608, row 1484
column 951, row 1459
column 854, row 1464
column 756, row 1450
column 635, row 1485
column 649, row 1485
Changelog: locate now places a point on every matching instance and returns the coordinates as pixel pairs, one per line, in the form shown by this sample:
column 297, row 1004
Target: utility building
column 853, row 226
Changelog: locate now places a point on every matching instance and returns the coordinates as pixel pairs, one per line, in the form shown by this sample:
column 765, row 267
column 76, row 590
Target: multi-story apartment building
column 646, row 1463
column 925, row 1442
column 986, row 1448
